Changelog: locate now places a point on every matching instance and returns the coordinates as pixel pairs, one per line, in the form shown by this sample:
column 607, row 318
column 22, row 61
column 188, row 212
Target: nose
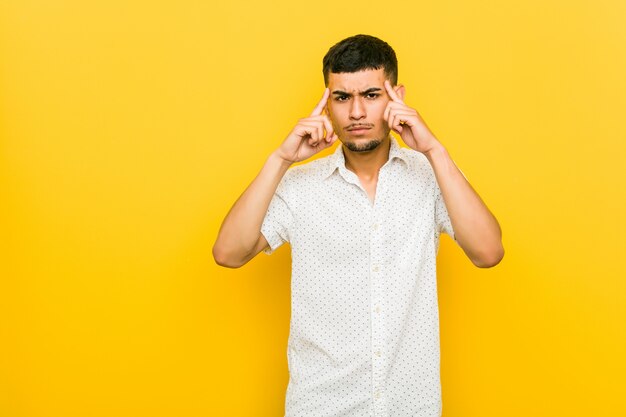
column 357, row 110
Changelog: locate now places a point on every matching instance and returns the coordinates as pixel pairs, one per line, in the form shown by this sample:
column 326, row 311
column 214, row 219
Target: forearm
column 240, row 230
column 476, row 229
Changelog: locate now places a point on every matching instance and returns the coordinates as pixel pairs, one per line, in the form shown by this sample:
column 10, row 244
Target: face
column 355, row 107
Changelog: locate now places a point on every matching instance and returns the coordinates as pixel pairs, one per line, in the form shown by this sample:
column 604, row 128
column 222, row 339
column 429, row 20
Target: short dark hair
column 361, row 52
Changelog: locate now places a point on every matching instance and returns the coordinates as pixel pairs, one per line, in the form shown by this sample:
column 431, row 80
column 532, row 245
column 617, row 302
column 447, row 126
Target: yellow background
column 128, row 129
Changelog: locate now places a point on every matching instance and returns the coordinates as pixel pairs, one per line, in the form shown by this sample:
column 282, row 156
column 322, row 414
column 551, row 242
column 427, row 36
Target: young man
column 364, row 226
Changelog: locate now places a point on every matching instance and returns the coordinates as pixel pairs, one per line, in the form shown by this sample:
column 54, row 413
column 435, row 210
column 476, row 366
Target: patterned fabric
column 364, row 331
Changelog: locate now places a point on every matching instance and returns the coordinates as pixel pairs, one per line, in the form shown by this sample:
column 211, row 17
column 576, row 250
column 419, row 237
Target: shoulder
column 305, row 174
column 417, row 163
column 307, row 171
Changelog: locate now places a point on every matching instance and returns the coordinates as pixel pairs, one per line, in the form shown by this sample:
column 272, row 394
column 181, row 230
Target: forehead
column 356, row 81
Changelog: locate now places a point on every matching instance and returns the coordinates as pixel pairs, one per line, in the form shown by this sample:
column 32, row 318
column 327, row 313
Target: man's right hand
column 308, row 138
column 240, row 237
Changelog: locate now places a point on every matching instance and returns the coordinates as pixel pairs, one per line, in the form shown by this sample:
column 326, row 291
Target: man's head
column 361, row 52
column 355, row 70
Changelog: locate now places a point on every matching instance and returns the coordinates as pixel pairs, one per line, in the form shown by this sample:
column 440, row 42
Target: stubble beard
column 365, row 147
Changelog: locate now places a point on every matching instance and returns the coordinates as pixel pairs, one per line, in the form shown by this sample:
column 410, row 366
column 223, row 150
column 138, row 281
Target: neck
column 367, row 164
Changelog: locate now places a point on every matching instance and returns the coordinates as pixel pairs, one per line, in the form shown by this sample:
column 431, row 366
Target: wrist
column 436, row 152
column 277, row 158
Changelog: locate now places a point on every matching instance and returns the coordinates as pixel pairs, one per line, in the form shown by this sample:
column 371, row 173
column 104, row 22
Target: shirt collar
column 337, row 159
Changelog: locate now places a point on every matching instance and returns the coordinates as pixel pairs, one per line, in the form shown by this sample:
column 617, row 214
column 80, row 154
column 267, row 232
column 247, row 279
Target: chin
column 364, row 145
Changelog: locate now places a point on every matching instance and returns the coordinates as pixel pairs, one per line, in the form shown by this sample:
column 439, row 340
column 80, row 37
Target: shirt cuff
column 273, row 239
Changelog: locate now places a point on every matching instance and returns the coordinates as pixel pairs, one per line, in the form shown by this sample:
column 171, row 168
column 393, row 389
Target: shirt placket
column 377, row 274
column 377, row 285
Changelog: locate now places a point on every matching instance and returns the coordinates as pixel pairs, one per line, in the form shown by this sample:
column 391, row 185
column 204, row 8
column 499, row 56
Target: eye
column 372, row 95
column 341, row 98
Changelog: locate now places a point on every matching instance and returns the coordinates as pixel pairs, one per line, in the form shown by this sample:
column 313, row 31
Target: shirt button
column 377, row 395
column 378, row 353
column 378, row 309
column 375, row 226
column 375, row 269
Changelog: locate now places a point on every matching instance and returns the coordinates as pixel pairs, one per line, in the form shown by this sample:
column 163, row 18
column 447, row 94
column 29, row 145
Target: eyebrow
column 369, row 90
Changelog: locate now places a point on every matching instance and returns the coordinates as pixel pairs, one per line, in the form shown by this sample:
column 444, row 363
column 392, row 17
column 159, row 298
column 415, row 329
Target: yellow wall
column 128, row 129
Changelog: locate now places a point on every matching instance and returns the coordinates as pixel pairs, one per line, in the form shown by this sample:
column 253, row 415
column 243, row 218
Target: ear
column 400, row 91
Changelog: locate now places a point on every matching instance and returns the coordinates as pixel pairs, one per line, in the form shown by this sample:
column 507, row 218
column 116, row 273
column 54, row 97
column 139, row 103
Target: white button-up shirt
column 364, row 332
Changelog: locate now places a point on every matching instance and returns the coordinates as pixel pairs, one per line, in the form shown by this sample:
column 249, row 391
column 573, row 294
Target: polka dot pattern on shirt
column 364, row 331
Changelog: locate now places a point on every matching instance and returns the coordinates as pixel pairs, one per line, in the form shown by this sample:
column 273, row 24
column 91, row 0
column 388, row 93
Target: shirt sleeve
column 442, row 219
column 277, row 222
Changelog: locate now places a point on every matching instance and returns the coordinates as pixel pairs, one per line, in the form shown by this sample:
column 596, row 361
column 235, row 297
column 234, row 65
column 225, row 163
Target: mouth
column 359, row 130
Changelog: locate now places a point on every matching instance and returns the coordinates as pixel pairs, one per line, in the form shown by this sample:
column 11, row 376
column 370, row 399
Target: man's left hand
column 407, row 122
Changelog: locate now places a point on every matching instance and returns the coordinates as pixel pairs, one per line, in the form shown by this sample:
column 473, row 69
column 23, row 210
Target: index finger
column 320, row 106
column 392, row 93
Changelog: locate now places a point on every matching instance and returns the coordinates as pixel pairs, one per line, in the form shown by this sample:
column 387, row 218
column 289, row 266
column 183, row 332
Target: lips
column 356, row 130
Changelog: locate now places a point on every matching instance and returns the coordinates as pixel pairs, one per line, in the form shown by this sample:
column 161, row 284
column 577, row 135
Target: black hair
column 361, row 52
